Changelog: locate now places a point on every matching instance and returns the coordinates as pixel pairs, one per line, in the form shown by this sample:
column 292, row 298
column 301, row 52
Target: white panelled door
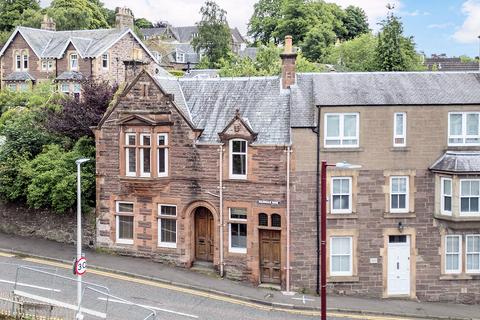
column 398, row 281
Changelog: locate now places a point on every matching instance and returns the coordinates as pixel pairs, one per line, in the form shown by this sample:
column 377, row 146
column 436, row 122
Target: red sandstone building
column 198, row 171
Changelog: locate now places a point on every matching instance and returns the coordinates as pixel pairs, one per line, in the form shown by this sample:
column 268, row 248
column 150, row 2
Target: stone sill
column 453, row 277
column 326, row 150
column 400, row 149
column 342, row 216
column 458, row 218
column 339, row 279
column 389, row 215
column 142, row 179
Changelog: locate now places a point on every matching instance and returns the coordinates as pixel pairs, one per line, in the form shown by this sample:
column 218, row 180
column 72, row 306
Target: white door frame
column 403, row 262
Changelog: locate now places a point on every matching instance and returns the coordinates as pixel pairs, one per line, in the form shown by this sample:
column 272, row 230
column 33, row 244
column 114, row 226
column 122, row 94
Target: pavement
column 184, row 278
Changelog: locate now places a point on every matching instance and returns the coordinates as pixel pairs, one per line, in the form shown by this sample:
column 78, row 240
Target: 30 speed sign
column 81, row 266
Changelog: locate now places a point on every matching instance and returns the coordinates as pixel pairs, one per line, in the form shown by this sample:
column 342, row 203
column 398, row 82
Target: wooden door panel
column 204, row 244
column 270, row 256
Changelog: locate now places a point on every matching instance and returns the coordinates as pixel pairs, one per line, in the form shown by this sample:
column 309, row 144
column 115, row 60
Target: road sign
column 81, row 266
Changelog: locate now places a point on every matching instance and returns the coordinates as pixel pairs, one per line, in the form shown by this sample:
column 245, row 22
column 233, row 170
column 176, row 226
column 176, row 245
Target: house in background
column 69, row 57
column 443, row 63
column 173, row 45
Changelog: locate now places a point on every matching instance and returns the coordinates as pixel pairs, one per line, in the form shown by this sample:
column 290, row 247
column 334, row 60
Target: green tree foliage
column 11, row 11
column 318, row 42
column 143, row 23
column 264, row 21
column 214, row 38
column 78, row 14
column 357, row 54
column 394, row 51
column 296, row 20
column 355, row 22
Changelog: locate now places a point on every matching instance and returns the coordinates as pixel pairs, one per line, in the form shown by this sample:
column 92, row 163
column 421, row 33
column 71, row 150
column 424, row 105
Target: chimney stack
column 48, row 24
column 124, row 18
column 288, row 63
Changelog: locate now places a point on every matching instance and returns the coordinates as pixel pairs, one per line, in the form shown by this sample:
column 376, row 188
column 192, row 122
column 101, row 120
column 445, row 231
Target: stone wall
column 20, row 220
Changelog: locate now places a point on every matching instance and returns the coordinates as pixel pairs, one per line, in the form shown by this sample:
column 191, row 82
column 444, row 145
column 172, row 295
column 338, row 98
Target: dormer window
column 238, row 159
column 73, row 61
column 180, row 57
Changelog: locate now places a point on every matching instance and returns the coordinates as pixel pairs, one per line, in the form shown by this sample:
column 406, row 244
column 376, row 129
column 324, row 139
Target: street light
column 79, row 233
column 323, row 230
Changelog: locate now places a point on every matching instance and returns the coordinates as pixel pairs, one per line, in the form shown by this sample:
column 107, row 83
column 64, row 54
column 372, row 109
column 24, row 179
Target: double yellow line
column 206, row 294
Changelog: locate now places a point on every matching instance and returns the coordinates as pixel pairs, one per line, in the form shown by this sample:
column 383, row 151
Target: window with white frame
column 399, row 194
column 341, row 130
column 131, row 154
column 50, row 65
column 105, row 61
column 400, row 129
column 124, row 222
column 238, row 159
column 463, row 128
column 180, row 57
column 73, row 61
column 25, row 61
column 18, row 61
column 12, row 86
column 453, row 254
column 167, row 226
column 473, row 253
column 162, row 154
column 44, row 65
column 65, row 87
column 469, row 196
column 77, row 88
column 446, row 196
column 341, row 194
column 145, row 155
column 341, row 256
column 238, row 230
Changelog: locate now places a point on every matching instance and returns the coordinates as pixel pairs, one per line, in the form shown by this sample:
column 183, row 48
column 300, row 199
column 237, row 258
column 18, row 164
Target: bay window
column 446, row 196
column 469, row 196
column 341, row 130
column 145, row 155
column 463, row 128
column 130, row 154
column 162, row 154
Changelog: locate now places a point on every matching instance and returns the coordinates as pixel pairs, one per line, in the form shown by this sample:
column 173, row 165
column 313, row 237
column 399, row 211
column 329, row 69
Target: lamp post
column 323, row 231
column 79, row 233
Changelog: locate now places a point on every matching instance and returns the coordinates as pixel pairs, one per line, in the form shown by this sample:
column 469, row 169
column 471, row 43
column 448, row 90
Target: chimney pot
column 124, row 18
column 48, row 24
column 288, row 45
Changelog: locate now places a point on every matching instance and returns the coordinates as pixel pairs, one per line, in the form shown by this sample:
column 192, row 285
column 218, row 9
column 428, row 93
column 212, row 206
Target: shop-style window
column 341, row 130
column 167, row 226
column 238, row 230
column 162, row 154
column 238, row 159
column 124, row 222
column 341, row 256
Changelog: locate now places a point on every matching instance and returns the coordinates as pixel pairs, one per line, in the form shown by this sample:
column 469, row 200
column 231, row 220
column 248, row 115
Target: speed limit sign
column 81, row 266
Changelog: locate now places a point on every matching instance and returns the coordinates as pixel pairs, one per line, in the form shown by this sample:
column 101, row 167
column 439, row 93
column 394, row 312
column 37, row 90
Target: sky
column 438, row 26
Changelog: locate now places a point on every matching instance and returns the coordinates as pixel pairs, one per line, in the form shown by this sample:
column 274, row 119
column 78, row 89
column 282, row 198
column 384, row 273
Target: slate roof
column 70, row 75
column 458, row 162
column 52, row 44
column 19, row 76
column 380, row 88
column 262, row 104
column 450, row 64
column 202, row 73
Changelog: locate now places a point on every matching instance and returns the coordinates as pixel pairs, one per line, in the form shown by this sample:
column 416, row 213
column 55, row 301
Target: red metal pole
column 323, row 247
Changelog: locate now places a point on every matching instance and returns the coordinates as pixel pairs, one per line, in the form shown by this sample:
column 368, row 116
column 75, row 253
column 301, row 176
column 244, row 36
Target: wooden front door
column 203, row 234
column 270, row 252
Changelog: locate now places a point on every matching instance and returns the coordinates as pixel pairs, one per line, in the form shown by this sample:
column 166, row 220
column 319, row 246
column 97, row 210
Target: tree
column 214, row 38
column 355, row 55
column 394, row 51
column 355, row 22
column 143, row 23
column 78, row 14
column 318, row 42
column 12, row 10
column 76, row 117
column 297, row 19
column 264, row 21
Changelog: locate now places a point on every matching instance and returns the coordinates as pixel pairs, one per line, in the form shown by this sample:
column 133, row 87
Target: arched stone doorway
column 204, row 234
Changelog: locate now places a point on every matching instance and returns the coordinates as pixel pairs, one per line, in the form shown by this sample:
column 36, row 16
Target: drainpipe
column 288, row 220
column 317, row 204
column 221, row 208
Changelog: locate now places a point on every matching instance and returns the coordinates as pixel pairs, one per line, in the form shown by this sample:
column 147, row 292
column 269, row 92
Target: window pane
column 162, row 140
column 146, row 160
column 465, row 205
column 399, row 124
column 263, row 219
column 402, row 184
column 345, row 186
column 238, row 165
column 452, row 262
column 344, row 200
column 132, row 166
column 337, row 202
column 474, row 204
column 125, row 207
column 350, row 126
column 472, row 124
column 336, row 186
column 131, row 139
column 340, row 246
column 238, row 213
column 455, row 124
column 473, row 261
column 145, row 140
column 333, row 126
column 447, row 187
column 447, row 204
column 474, row 188
column 239, row 235
column 465, row 188
column 402, row 204
column 394, row 201
column 169, row 230
column 453, row 244
column 276, row 220
column 395, row 185
column 161, row 160
column 168, row 210
column 125, row 227
column 239, row 146
column 340, row 263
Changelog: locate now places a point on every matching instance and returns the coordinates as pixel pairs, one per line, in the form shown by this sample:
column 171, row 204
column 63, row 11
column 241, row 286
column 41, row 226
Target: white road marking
column 30, row 285
column 150, row 307
column 303, row 299
column 60, row 304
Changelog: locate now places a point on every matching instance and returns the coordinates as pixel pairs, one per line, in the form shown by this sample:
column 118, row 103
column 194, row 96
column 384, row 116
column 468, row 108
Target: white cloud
column 186, row 12
column 440, row 25
column 470, row 29
column 415, row 13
